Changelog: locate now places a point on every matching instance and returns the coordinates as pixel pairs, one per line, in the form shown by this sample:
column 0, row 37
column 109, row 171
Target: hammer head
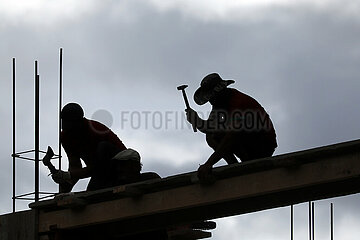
column 182, row 87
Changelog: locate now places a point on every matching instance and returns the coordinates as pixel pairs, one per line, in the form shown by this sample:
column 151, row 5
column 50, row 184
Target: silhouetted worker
column 108, row 162
column 237, row 125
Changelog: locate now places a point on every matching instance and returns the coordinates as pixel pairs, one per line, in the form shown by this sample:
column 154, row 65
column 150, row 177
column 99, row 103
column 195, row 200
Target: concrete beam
column 241, row 188
column 19, row 226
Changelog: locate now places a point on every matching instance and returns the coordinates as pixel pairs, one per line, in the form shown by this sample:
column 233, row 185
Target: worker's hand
column 61, row 177
column 191, row 116
column 205, row 174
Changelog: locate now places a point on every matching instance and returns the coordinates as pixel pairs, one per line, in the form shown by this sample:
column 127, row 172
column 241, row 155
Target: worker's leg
column 213, row 140
column 105, row 174
column 240, row 148
column 254, row 145
column 105, row 151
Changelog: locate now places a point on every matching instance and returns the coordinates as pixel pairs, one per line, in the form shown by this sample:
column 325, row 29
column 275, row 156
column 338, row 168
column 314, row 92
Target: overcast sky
column 124, row 59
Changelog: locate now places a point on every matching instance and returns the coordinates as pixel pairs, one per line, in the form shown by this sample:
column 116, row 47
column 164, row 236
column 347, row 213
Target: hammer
column 47, row 160
column 182, row 88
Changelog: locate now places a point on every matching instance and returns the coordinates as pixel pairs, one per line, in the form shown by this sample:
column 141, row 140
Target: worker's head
column 128, row 165
column 210, row 86
column 72, row 116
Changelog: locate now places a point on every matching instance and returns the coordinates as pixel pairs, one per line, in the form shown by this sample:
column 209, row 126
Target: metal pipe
column 37, row 130
column 14, row 136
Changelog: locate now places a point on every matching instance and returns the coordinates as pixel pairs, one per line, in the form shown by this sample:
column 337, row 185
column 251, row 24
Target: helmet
column 72, row 111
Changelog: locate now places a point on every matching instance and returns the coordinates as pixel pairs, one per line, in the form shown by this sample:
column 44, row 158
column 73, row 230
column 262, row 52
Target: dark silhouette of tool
column 47, row 160
column 182, row 88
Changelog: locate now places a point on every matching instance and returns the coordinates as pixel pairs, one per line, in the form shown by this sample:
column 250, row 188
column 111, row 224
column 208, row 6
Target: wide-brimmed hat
column 209, row 86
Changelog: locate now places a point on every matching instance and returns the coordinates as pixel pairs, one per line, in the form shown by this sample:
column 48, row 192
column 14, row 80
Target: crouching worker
column 108, row 162
column 237, row 125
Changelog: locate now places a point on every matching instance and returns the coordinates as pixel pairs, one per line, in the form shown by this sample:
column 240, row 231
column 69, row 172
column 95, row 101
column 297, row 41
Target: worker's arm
column 77, row 171
column 67, row 179
column 203, row 126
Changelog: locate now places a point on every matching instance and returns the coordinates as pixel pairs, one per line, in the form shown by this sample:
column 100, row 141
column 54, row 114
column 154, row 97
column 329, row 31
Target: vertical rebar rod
column 13, row 133
column 292, row 222
column 313, row 220
column 37, row 130
column 332, row 221
column 310, row 220
column 60, row 104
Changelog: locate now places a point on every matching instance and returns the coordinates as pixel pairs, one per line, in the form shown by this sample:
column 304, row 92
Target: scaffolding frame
column 36, row 195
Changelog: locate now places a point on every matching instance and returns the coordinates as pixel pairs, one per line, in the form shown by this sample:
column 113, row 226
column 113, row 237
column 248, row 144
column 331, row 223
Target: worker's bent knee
column 212, row 140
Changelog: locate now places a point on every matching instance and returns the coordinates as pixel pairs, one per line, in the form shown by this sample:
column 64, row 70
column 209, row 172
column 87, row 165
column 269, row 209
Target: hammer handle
column 188, row 107
column 185, row 99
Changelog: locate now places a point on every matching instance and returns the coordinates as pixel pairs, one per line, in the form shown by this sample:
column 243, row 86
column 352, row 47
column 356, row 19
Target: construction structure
column 179, row 206
column 181, row 200
column 36, row 195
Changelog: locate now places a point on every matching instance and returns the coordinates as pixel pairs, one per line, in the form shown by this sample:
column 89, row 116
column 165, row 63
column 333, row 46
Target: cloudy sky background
column 124, row 59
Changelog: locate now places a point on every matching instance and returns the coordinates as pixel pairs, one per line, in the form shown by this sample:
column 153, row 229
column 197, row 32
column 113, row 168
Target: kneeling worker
column 108, row 162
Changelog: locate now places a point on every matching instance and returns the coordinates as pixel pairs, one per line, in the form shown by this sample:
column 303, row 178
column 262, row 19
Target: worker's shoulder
column 238, row 94
column 96, row 126
column 241, row 98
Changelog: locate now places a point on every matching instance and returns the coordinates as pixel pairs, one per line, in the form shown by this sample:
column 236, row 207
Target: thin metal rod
column 14, row 136
column 292, row 221
column 310, row 220
column 29, row 151
column 52, row 195
column 313, row 220
column 60, row 103
column 47, row 193
column 25, row 194
column 32, row 193
column 24, row 152
column 37, row 130
column 26, row 199
column 26, row 158
column 332, row 221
